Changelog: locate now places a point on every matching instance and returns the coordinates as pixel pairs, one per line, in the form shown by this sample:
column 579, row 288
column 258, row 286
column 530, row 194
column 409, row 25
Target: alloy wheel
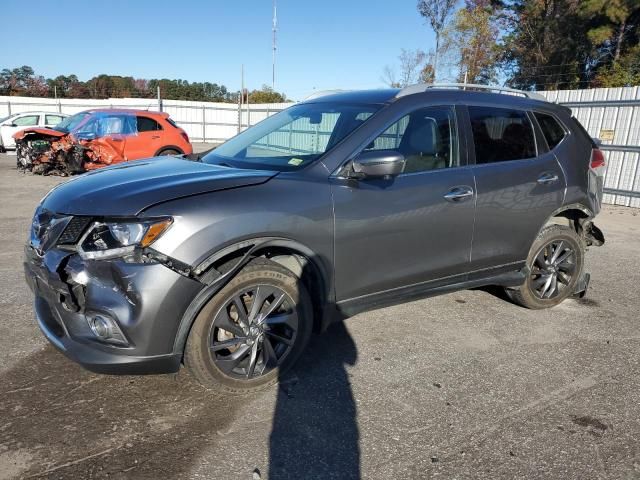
column 253, row 332
column 553, row 269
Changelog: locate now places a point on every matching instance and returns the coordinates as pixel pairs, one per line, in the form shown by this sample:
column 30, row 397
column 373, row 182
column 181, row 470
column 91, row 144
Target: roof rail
column 423, row 87
column 322, row 93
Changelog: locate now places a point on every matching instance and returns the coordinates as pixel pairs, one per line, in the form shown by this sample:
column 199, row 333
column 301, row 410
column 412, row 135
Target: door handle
column 458, row 194
column 546, row 178
column 155, row 137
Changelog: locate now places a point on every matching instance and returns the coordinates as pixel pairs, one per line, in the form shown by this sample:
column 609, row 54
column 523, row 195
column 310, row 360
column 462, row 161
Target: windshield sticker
column 295, row 161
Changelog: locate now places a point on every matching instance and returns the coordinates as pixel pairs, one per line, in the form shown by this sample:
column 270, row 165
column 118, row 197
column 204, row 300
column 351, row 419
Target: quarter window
column 551, row 129
column 26, row 121
column 426, row 138
column 501, row 134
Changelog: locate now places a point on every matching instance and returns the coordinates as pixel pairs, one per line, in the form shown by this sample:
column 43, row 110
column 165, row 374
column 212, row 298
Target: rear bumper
column 146, row 301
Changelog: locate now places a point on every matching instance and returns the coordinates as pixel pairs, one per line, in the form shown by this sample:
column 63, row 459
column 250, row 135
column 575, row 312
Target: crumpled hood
column 128, row 188
column 43, row 131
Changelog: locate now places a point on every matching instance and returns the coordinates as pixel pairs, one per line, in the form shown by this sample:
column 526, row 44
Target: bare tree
column 436, row 12
column 411, row 65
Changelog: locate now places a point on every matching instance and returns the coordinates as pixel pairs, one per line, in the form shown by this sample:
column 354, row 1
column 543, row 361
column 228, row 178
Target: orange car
column 98, row 138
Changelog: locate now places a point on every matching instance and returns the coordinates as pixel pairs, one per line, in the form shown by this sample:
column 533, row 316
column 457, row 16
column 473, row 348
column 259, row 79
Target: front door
column 416, row 227
column 518, row 184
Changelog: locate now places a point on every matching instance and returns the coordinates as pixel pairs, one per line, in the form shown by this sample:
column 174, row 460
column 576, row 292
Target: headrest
column 423, row 138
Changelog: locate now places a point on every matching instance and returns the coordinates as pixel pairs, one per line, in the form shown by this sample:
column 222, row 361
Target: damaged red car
column 99, row 138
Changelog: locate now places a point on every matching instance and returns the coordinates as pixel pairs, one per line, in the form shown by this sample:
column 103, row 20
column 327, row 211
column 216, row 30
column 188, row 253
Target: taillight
column 185, row 136
column 597, row 163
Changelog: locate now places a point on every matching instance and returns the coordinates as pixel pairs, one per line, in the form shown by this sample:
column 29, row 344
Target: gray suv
column 227, row 262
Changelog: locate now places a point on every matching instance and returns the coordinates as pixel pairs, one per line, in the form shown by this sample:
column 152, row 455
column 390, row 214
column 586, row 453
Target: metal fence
column 203, row 121
column 613, row 116
column 610, row 114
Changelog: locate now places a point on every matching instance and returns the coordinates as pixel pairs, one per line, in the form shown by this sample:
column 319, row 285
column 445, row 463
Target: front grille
column 75, row 229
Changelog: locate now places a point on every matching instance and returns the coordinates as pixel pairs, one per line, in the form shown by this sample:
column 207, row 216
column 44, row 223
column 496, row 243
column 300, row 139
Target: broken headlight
column 116, row 239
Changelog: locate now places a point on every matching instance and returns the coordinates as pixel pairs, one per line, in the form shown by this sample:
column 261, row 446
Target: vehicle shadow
column 315, row 431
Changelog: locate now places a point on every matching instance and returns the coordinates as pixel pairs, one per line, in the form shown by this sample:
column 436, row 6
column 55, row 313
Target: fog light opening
column 106, row 330
column 100, row 327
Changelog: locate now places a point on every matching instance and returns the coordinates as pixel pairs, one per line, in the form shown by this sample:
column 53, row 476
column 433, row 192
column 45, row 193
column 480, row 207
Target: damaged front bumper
column 144, row 303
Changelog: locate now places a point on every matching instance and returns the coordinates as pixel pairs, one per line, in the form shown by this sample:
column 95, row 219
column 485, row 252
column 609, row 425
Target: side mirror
column 378, row 163
column 14, row 125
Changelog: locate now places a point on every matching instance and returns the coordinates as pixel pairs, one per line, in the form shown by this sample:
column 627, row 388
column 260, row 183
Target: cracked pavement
column 464, row 385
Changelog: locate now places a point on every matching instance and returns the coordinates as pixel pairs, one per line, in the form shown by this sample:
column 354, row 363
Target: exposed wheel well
column 304, row 267
column 169, row 147
column 571, row 217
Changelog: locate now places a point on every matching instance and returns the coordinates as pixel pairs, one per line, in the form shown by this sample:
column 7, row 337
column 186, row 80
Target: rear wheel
column 251, row 331
column 555, row 262
column 169, row 151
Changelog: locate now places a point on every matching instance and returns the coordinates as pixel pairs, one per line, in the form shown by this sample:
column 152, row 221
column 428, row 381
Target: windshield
column 292, row 138
column 2, row 120
column 70, row 123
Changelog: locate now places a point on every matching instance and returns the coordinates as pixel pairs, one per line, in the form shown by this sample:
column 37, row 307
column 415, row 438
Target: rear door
column 413, row 228
column 51, row 120
column 147, row 139
column 519, row 185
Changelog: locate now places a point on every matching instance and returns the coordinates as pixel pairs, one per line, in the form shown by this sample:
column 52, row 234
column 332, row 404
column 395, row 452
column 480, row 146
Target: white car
column 13, row 123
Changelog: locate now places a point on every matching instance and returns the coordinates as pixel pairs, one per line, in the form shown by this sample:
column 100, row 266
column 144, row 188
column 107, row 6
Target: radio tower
column 274, row 29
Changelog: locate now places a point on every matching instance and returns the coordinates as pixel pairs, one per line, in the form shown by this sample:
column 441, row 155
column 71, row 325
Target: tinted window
column 551, row 129
column 146, row 124
column 52, row 119
column 27, row 121
column 425, row 137
column 501, row 134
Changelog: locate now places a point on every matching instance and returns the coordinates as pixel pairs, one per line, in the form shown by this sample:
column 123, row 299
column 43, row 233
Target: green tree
column 546, row 46
column 473, row 40
column 266, row 95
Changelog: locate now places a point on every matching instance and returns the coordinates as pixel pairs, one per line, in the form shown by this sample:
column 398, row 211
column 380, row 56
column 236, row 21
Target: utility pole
column 274, row 30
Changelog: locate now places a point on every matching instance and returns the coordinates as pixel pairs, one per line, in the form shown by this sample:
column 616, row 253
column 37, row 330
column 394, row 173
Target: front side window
column 501, row 134
column 551, row 129
column 426, row 137
column 292, row 138
column 26, row 121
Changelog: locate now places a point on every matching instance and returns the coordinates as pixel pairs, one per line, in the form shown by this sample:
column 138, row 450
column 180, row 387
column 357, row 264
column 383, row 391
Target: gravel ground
column 464, row 385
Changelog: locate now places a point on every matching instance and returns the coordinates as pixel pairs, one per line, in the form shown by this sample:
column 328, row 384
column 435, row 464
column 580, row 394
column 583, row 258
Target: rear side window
column 172, row 123
column 52, row 119
column 501, row 134
column 551, row 129
column 146, row 124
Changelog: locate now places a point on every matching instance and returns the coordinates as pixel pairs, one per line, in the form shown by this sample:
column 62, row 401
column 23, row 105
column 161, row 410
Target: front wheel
column 555, row 261
column 251, row 331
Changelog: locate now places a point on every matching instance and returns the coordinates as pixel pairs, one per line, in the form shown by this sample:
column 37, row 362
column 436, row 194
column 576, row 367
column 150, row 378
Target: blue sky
column 322, row 44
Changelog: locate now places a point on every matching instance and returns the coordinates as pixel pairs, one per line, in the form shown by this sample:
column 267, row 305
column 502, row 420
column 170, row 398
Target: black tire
column 169, row 151
column 210, row 364
column 546, row 263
